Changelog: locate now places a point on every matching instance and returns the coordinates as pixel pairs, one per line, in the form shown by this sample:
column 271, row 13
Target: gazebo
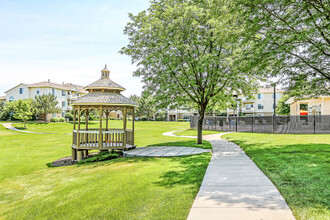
column 104, row 97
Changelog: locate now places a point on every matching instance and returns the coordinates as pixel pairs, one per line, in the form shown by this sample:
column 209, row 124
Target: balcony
column 248, row 109
column 244, row 100
column 73, row 97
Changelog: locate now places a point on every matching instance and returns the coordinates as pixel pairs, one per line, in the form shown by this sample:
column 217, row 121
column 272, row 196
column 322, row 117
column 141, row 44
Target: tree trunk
column 24, row 124
column 200, row 125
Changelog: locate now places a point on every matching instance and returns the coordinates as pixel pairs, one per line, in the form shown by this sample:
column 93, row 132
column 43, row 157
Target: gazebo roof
column 104, row 92
column 104, row 98
column 105, row 83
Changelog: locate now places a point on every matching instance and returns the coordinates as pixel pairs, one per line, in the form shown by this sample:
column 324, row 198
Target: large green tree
column 291, row 39
column 46, row 104
column 187, row 53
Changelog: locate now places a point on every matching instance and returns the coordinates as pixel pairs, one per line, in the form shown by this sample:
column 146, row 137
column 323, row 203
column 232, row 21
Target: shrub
column 69, row 116
column 181, row 120
column 100, row 157
column 4, row 116
column 159, row 119
column 54, row 120
column 143, row 119
column 61, row 119
column 91, row 117
column 112, row 118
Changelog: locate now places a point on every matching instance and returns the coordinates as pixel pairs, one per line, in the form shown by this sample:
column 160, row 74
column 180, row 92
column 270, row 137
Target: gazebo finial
column 105, row 73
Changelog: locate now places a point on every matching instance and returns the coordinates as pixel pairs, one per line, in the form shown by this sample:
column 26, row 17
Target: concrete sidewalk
column 235, row 188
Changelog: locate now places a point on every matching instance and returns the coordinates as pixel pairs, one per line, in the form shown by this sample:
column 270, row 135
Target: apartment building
column 65, row 93
column 179, row 113
column 262, row 103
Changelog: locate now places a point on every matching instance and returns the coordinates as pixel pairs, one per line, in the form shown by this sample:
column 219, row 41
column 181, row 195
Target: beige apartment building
column 65, row 93
column 316, row 106
column 262, row 103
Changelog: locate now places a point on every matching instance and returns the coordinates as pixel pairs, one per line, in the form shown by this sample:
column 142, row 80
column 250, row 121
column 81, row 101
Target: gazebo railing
column 108, row 139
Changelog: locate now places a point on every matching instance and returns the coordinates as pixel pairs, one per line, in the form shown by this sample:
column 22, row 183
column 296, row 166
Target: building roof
column 63, row 86
column 111, row 98
column 105, row 83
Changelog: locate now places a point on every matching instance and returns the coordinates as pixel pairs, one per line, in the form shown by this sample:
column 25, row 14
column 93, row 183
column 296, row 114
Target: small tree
column 46, row 104
column 23, row 110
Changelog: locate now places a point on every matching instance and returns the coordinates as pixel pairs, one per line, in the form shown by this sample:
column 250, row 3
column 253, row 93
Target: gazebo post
column 73, row 150
column 107, row 118
column 100, row 134
column 86, row 121
column 133, row 119
column 124, row 125
column 79, row 152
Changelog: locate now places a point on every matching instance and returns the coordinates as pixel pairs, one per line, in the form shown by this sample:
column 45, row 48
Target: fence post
column 314, row 123
column 273, row 124
column 215, row 123
column 252, row 122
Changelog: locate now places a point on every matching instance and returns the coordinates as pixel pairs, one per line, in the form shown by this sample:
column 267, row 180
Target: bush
column 159, row 119
column 181, row 120
column 69, row 116
column 112, row 118
column 91, row 117
column 61, row 119
column 100, row 157
column 54, row 120
column 144, row 119
column 4, row 116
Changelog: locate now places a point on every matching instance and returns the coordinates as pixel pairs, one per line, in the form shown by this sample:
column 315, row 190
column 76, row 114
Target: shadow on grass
column 192, row 143
column 192, row 171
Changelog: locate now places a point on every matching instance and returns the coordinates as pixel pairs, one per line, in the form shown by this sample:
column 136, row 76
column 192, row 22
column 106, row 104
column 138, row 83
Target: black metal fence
column 311, row 124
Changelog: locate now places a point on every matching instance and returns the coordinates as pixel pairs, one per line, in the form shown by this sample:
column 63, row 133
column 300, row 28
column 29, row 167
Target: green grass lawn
column 123, row 188
column 299, row 165
column 193, row 132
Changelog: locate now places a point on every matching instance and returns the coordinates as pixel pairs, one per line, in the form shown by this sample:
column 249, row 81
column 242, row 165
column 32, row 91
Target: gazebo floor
column 106, row 146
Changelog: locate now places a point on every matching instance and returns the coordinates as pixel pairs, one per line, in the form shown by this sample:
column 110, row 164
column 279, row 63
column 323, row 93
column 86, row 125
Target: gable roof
column 46, row 84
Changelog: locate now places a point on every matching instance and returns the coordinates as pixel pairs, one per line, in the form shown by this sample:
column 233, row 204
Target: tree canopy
column 187, row 53
column 291, row 40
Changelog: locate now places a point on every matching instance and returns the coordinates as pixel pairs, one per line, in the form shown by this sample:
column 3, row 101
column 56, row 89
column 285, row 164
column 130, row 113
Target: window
column 260, row 106
column 20, row 90
column 63, row 93
column 260, row 96
column 53, row 91
column 38, row 91
column 63, row 114
column 11, row 99
column 63, row 104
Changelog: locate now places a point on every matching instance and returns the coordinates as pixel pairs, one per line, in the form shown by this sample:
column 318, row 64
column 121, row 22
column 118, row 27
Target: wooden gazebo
column 104, row 97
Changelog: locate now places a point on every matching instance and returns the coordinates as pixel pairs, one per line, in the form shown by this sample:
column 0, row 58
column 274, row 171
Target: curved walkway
column 235, row 188
column 164, row 151
column 10, row 127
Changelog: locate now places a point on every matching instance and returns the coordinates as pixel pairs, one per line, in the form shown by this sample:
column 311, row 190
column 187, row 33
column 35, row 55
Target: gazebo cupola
column 104, row 97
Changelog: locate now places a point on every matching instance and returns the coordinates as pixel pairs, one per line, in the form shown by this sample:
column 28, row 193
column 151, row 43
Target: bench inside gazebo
column 104, row 97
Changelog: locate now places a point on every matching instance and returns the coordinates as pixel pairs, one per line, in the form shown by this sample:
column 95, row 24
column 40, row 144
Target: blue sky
column 65, row 41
